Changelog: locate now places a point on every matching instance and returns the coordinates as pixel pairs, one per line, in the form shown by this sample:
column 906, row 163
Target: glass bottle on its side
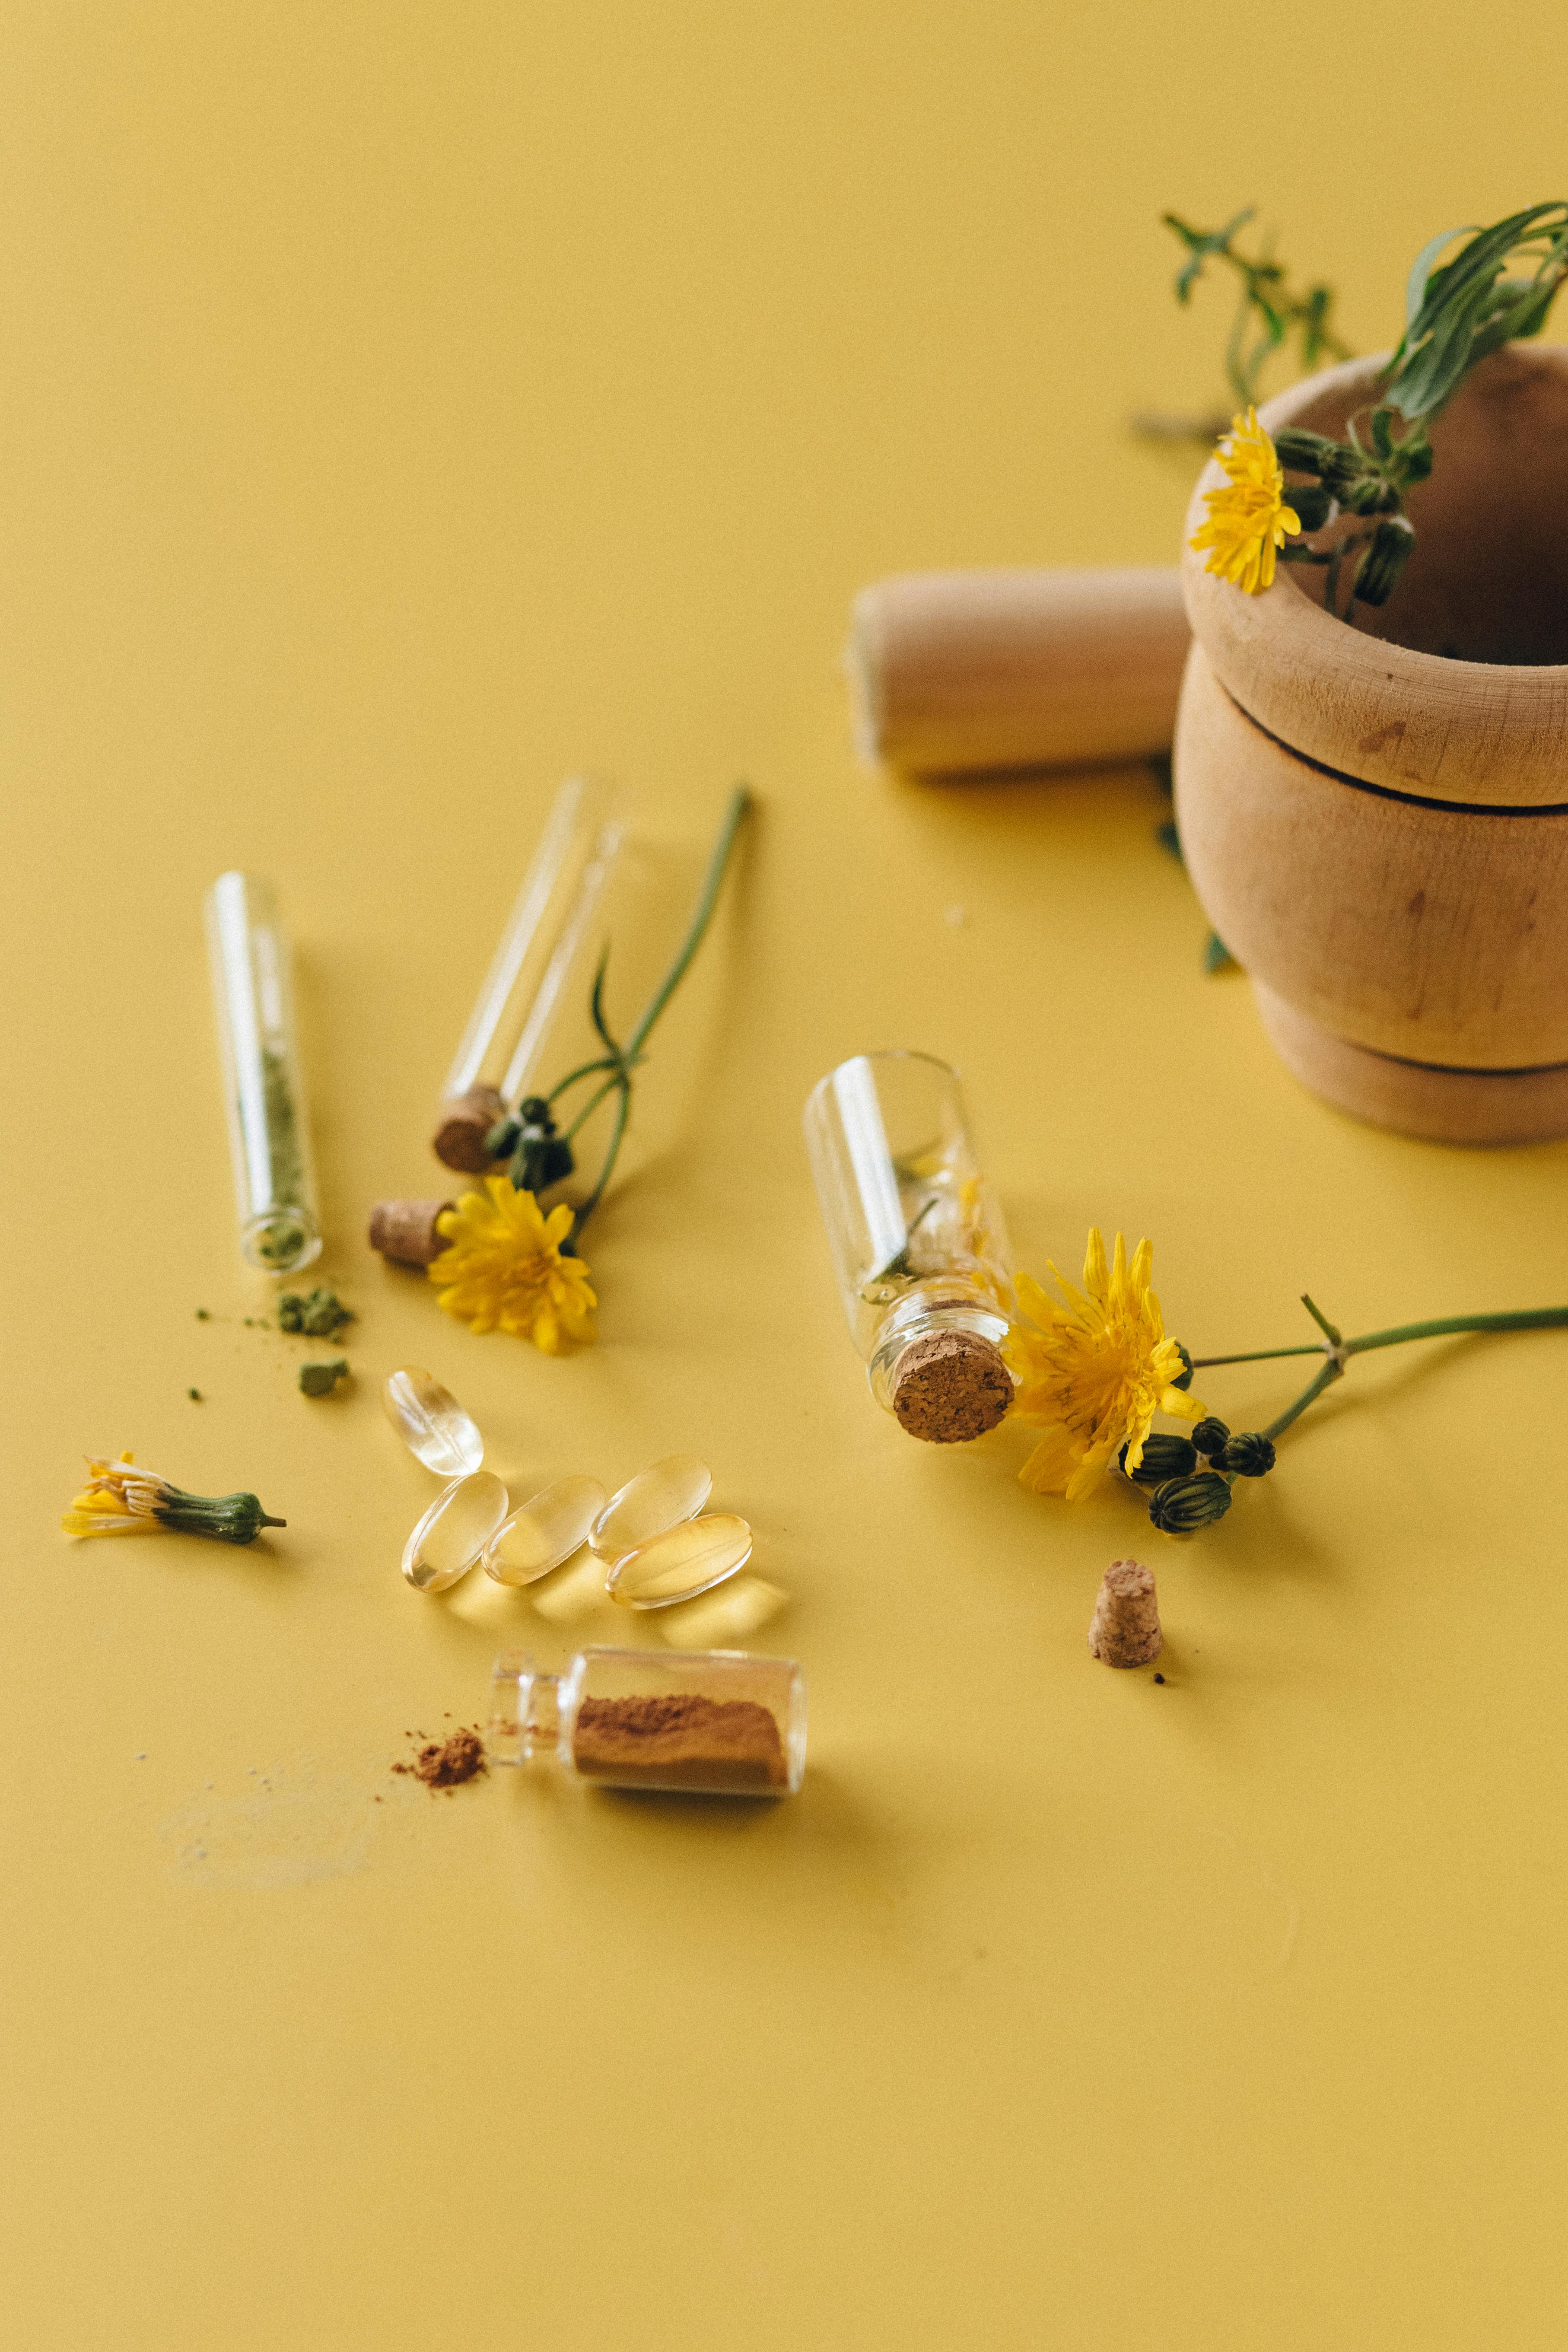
column 713, row 1722
column 919, row 1245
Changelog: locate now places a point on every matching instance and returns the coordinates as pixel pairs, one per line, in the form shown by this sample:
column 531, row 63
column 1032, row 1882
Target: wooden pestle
column 959, row 671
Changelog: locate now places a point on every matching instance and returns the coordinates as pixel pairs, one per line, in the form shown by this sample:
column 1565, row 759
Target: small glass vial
column 269, row 1139
column 714, row 1723
column 918, row 1241
column 548, row 934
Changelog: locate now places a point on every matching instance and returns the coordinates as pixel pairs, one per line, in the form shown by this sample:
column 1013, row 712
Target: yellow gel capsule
column 545, row 1531
column 681, row 1562
column 432, row 1424
column 672, row 1490
column 453, row 1531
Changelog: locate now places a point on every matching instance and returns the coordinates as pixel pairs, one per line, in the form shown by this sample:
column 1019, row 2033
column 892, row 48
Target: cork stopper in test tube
column 550, row 931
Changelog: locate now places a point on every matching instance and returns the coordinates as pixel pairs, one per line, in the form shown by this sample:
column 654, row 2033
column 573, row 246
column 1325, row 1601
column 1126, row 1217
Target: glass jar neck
column 525, row 1712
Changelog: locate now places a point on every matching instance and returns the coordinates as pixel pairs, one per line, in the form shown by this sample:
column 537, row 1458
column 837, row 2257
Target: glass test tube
column 918, row 1241
column 713, row 1722
column 268, row 1133
column 547, row 933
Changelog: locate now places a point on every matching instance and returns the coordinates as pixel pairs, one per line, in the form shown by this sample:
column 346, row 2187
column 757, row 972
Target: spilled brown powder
column 681, row 1741
column 447, row 1763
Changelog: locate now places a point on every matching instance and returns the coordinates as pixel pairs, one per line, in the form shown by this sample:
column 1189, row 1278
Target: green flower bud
column 1313, row 505
column 1182, row 1505
column 1248, row 1454
column 1393, row 544
column 1211, row 1436
column 501, row 1141
column 1413, row 463
column 1368, row 494
column 1163, row 1457
column 1306, row 452
column 230, row 1518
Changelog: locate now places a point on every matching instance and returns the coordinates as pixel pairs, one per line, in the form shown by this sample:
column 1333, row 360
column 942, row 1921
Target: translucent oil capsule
column 683, row 1561
column 545, row 1531
column 453, row 1531
column 672, row 1490
column 432, row 1424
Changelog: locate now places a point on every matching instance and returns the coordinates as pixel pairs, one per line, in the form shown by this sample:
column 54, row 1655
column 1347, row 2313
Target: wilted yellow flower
column 1093, row 1373
column 1248, row 518
column 504, row 1270
column 119, row 1500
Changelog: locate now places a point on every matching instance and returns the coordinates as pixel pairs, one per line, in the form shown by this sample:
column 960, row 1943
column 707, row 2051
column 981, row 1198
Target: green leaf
column 1421, row 269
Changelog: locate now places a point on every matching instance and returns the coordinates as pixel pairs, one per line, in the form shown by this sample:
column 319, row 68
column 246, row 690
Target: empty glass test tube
column 714, row 1722
column 918, row 1241
column 269, row 1134
column 550, row 931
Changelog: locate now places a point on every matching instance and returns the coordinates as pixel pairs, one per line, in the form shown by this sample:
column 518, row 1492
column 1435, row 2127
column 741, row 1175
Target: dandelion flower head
column 1092, row 1373
column 1248, row 518
column 503, row 1268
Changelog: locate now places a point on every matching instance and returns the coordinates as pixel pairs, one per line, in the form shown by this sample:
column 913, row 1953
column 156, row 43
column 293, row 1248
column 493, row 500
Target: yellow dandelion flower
column 504, row 1270
column 1248, row 518
column 1092, row 1374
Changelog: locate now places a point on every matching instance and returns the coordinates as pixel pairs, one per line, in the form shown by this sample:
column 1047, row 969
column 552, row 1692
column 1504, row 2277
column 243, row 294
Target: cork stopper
column 951, row 1386
column 466, row 1121
column 406, row 1230
column 1125, row 1631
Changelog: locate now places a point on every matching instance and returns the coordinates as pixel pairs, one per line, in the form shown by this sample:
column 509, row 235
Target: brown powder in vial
column 447, row 1763
column 681, row 1741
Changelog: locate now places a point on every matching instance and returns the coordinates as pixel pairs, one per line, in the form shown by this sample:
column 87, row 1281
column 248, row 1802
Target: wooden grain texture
column 1486, row 1107
column 1458, row 689
column 955, row 672
column 1440, row 935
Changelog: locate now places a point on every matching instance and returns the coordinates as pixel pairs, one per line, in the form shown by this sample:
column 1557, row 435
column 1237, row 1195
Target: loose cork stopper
column 951, row 1386
column 466, row 1121
column 1125, row 1631
column 406, row 1230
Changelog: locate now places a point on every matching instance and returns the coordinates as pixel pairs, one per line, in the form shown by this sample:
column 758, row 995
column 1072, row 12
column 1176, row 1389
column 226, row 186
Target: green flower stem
column 594, row 1100
column 1339, row 1350
column 621, row 1060
column 586, row 1070
column 1259, row 1356
column 622, row 1113
column 1525, row 1318
column 1332, row 1371
column 739, row 802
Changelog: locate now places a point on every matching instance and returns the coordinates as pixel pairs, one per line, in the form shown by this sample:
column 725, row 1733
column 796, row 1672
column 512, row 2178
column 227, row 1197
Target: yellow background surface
column 401, row 406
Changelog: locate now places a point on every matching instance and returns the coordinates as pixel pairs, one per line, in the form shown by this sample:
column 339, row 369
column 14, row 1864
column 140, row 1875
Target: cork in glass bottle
column 918, row 1241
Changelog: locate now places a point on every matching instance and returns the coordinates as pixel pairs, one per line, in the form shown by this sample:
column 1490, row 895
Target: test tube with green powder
column 274, row 1181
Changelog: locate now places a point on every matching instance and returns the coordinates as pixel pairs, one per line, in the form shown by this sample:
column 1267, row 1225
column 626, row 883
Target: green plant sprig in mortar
column 1497, row 288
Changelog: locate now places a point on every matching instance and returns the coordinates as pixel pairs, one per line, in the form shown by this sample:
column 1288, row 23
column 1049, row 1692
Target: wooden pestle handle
column 958, row 671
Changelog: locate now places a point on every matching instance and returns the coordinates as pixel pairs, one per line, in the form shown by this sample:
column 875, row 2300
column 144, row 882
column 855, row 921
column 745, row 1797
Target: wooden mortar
column 1376, row 818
